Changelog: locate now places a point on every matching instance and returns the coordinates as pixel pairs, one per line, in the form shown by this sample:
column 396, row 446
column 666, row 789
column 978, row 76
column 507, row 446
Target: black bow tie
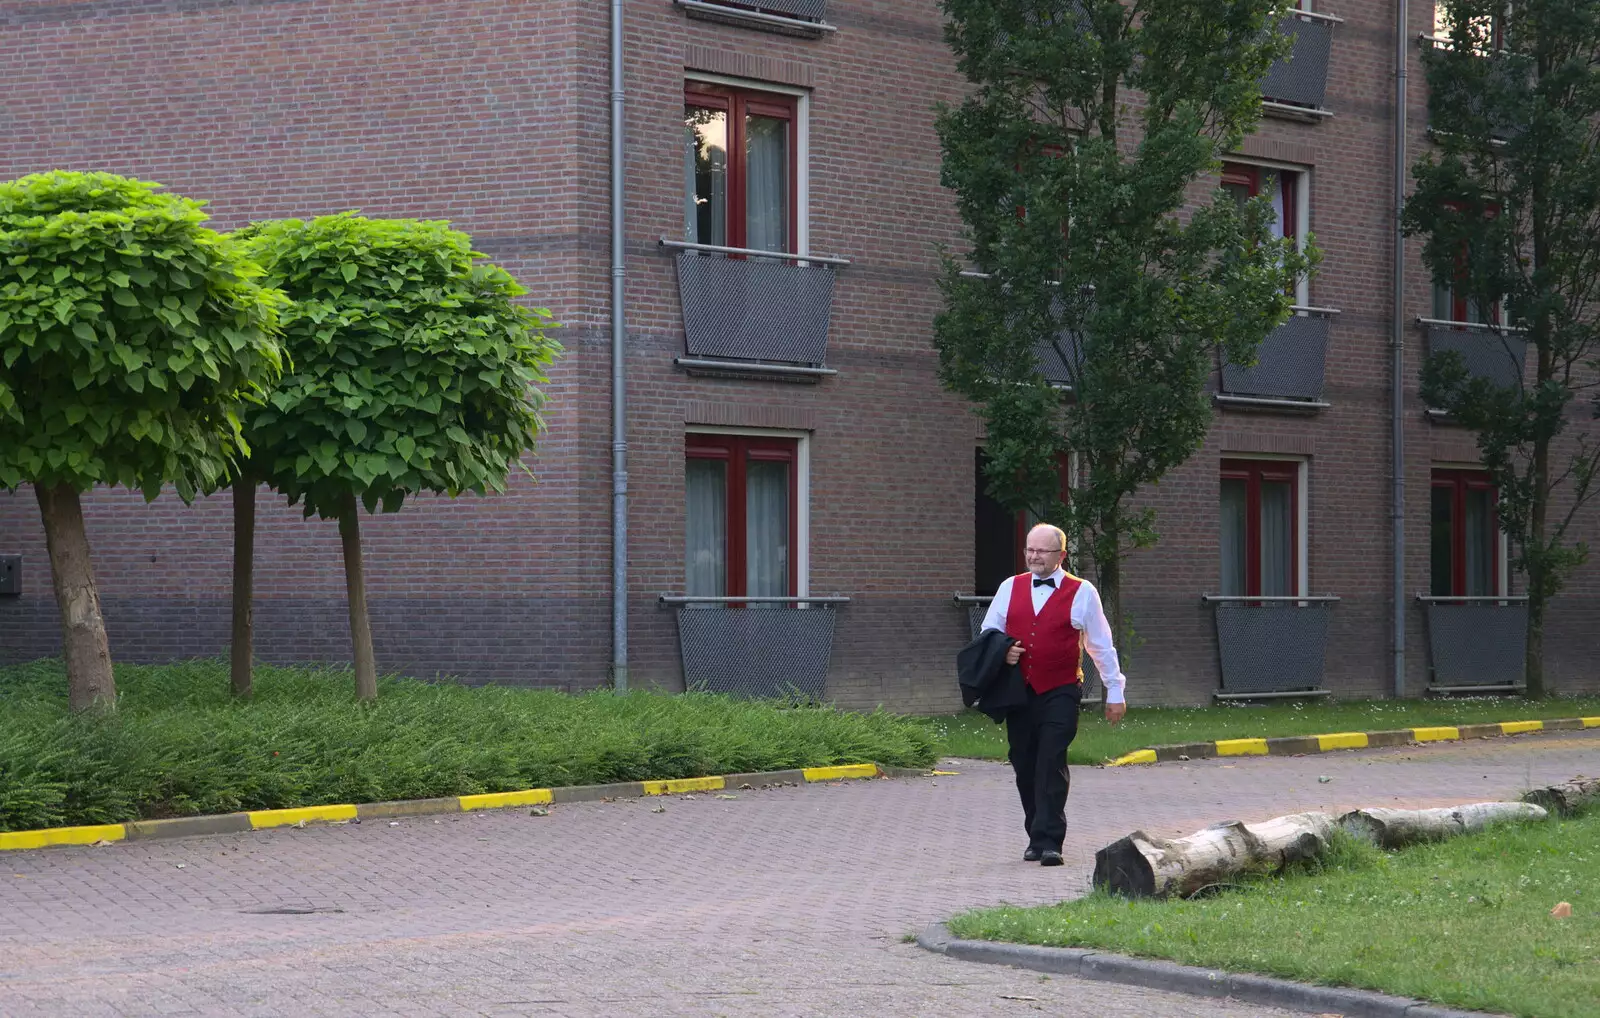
column 1048, row 581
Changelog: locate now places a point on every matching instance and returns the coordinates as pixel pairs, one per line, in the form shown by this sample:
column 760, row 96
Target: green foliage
column 1508, row 203
column 179, row 744
column 414, row 367
column 130, row 336
column 1464, row 922
column 1074, row 201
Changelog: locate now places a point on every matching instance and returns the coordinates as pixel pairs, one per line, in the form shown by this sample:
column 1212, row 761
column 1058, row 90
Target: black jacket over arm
column 986, row 679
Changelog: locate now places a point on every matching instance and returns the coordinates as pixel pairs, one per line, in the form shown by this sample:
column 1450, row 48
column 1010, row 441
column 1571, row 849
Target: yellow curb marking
column 1342, row 740
column 683, row 785
column 496, row 800
column 836, row 773
column 1138, row 756
column 1518, row 727
column 1241, row 747
column 280, row 817
column 1590, row 722
column 1439, row 734
column 87, row 835
column 943, row 774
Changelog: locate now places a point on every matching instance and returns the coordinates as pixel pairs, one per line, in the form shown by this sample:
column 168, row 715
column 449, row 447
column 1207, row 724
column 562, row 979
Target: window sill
column 1285, row 111
column 1293, row 406
column 761, row 22
column 710, row 367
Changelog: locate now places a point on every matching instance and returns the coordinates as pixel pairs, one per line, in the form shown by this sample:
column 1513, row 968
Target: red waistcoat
column 1053, row 649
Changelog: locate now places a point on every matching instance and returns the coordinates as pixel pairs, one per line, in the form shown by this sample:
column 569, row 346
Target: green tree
column 1508, row 202
column 1071, row 159
column 414, row 370
column 131, row 336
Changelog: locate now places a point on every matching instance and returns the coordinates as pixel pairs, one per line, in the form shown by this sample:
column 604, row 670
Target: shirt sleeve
column 996, row 618
column 1089, row 615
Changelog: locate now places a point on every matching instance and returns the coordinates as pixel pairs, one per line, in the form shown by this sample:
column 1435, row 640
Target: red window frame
column 738, row 104
column 737, row 451
column 1460, row 482
column 1458, row 303
column 1249, row 176
column 1253, row 472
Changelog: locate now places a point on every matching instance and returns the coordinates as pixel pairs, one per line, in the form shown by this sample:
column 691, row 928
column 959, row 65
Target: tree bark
column 83, row 629
column 1140, row 865
column 1568, row 797
column 244, row 564
column 1538, row 562
column 356, row 593
column 1393, row 828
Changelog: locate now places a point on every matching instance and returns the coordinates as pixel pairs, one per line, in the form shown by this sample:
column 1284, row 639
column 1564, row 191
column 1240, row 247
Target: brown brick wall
column 495, row 116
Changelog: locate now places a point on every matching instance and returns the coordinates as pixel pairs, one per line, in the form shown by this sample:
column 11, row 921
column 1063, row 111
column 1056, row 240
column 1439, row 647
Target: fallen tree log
column 1393, row 828
column 1141, row 865
column 1568, row 797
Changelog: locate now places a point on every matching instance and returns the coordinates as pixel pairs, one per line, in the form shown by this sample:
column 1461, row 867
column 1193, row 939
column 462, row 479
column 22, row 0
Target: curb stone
column 1291, row 745
column 255, row 820
column 1153, row 974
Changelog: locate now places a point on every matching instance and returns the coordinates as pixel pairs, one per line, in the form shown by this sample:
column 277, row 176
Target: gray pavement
column 778, row 902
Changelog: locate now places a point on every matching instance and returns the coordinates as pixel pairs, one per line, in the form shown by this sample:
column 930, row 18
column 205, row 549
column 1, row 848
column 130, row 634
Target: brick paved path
column 779, row 902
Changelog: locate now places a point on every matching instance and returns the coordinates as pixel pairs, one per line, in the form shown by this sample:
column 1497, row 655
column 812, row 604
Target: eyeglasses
column 1042, row 551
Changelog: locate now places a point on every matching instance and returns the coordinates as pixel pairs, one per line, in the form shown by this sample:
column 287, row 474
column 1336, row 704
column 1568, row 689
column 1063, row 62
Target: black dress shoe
column 1031, row 855
column 1050, row 857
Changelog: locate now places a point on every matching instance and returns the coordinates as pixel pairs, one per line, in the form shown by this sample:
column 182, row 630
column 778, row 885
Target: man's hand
column 1014, row 654
column 1114, row 711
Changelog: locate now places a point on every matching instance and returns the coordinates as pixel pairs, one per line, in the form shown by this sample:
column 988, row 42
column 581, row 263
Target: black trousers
column 1038, row 736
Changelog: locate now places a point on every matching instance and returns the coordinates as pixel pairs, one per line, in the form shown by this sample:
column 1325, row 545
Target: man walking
column 1053, row 618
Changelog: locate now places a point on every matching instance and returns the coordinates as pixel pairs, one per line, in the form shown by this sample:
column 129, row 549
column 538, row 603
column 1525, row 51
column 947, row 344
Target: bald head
column 1046, row 546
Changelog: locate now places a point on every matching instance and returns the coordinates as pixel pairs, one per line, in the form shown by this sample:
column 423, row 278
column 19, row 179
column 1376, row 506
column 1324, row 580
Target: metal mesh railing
column 807, row 10
column 1301, row 80
column 755, row 309
column 757, row 646
column 1271, row 645
column 1487, row 353
column 1290, row 363
column 1480, row 641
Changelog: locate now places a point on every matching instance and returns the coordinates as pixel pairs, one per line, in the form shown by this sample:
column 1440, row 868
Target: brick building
column 786, row 432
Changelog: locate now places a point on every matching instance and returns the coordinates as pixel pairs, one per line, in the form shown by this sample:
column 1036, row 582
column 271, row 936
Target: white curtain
column 706, row 557
column 766, row 194
column 767, row 529
column 1481, row 539
column 1277, row 539
column 1272, row 183
column 1233, row 536
column 705, row 175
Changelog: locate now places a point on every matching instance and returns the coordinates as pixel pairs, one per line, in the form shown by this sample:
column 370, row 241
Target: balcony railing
column 1476, row 644
column 755, row 312
column 806, row 18
column 1488, row 351
column 767, row 647
column 1290, row 365
column 1271, row 647
column 977, row 606
column 1296, row 86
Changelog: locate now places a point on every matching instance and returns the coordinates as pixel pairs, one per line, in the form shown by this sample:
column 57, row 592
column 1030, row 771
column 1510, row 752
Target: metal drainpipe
column 619, row 413
column 1397, row 345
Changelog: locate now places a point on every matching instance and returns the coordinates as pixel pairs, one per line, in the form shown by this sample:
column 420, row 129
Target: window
column 999, row 533
column 1260, row 515
column 1285, row 189
column 739, row 168
column 1450, row 305
column 740, row 516
column 1463, row 535
column 1489, row 29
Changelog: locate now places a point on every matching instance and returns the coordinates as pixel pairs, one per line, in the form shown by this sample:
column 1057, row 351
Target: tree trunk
column 1144, row 866
column 356, row 593
column 1568, row 797
column 83, row 629
column 244, row 565
column 1393, row 828
column 1538, row 565
column 1108, row 570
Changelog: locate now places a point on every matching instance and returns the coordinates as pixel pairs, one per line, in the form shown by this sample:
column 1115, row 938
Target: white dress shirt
column 1088, row 616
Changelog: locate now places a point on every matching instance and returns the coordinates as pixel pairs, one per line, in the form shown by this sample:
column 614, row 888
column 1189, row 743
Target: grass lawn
column 1464, row 922
column 970, row 734
column 179, row 745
